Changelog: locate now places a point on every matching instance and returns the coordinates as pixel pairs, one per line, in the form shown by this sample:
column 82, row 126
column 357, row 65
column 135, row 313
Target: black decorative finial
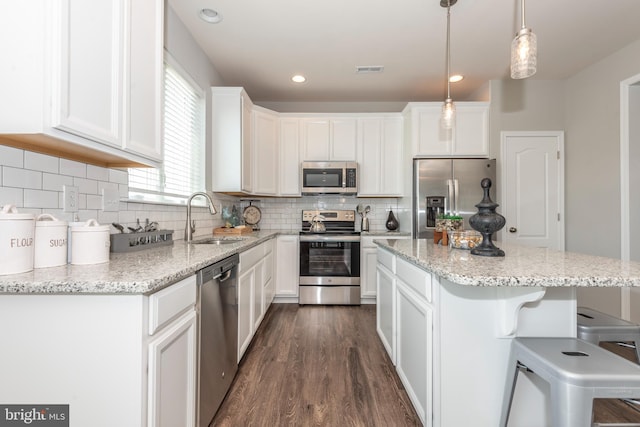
column 487, row 221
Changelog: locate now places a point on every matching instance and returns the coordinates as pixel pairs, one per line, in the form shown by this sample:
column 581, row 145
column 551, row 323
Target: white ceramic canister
column 16, row 240
column 50, row 242
column 90, row 243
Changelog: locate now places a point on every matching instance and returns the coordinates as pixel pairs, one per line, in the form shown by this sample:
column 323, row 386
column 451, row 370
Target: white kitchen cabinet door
column 289, row 158
column 344, row 134
column 316, row 139
column 258, row 295
column 246, row 283
column 268, row 279
column 329, row 139
column 469, row 137
column 287, row 266
column 368, row 262
column 247, row 159
column 172, row 374
column 380, row 154
column 386, row 310
column 88, row 76
column 91, row 70
column 144, row 88
column 265, row 152
column 231, row 165
column 414, row 349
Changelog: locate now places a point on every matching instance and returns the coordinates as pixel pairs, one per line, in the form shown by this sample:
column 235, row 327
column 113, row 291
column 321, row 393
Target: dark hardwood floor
column 325, row 366
column 317, row 366
column 613, row 411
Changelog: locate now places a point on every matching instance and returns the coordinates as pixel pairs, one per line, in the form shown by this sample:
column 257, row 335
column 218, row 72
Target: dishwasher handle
column 224, row 276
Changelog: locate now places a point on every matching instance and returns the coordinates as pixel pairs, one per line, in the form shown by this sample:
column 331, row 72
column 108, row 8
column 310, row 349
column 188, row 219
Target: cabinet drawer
column 169, row 303
column 387, row 259
column 250, row 257
column 418, row 279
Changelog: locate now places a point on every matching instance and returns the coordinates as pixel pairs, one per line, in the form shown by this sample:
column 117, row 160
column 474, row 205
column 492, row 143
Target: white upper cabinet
column 380, row 154
column 231, row 140
column 289, row 158
column 244, row 144
column 329, row 138
column 469, row 137
column 94, row 72
column 264, row 144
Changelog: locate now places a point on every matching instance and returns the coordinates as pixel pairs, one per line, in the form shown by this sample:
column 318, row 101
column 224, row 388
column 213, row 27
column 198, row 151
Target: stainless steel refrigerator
column 447, row 186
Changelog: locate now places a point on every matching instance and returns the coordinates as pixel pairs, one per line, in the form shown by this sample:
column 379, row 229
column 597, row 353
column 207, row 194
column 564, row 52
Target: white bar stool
column 597, row 327
column 577, row 372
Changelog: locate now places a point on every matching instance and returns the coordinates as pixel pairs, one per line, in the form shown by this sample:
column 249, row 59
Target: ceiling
column 260, row 44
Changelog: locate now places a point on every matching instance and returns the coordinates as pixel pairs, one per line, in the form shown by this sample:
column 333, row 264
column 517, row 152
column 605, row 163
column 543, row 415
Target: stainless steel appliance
column 330, row 261
column 218, row 329
column 329, row 177
column 447, row 186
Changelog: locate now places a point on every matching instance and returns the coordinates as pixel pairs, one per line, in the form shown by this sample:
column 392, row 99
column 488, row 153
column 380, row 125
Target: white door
column 533, row 188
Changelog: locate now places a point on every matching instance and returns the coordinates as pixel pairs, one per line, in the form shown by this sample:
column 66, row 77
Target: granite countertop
column 521, row 266
column 141, row 272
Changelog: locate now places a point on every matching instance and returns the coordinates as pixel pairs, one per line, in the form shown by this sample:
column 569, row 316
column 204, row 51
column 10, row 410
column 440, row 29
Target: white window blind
column 182, row 171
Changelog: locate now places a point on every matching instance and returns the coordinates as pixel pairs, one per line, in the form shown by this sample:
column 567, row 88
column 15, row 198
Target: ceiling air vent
column 368, row 69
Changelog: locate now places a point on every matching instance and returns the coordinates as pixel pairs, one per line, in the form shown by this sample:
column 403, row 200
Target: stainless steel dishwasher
column 218, row 329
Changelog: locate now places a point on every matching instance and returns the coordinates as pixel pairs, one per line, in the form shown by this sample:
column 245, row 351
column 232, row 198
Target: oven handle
column 328, row 238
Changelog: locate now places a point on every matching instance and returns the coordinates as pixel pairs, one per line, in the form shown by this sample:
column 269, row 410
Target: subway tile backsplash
column 35, row 183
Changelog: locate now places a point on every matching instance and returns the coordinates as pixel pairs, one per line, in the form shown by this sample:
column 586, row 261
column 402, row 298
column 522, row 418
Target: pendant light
column 448, row 116
column 524, row 52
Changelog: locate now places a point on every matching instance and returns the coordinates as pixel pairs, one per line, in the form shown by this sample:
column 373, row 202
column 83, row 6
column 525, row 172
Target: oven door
column 329, row 269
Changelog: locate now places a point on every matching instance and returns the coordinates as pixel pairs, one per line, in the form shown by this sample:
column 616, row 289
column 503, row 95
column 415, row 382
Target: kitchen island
column 447, row 317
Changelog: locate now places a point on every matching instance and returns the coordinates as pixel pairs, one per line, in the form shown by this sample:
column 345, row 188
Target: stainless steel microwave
column 329, row 177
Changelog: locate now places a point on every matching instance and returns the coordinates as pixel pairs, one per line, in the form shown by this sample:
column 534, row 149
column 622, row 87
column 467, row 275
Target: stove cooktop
column 335, row 221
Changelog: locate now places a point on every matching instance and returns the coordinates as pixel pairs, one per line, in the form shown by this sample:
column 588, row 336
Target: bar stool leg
column 571, row 406
column 509, row 389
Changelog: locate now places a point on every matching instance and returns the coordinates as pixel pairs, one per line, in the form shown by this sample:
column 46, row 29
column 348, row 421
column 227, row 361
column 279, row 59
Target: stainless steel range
column 329, row 260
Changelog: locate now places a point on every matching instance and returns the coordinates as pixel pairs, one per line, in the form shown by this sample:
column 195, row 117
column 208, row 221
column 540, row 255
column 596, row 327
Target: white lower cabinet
column 404, row 321
column 414, row 348
column 172, row 374
column 253, row 291
column 133, row 353
column 368, row 261
column 287, row 266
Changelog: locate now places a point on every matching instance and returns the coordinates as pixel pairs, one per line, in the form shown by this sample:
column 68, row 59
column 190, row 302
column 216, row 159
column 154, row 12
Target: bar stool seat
column 576, row 371
column 597, row 327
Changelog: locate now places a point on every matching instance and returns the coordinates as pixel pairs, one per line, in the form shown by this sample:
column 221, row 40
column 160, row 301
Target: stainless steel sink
column 216, row 241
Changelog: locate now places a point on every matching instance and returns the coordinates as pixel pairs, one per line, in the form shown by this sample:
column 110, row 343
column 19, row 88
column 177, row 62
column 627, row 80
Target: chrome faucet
column 190, row 227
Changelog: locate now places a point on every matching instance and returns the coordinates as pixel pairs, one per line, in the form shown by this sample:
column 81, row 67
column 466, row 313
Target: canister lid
column 90, row 226
column 48, row 220
column 10, row 212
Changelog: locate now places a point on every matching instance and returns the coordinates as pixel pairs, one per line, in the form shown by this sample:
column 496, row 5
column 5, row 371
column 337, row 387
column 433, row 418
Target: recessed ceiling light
column 456, row 78
column 298, row 78
column 209, row 15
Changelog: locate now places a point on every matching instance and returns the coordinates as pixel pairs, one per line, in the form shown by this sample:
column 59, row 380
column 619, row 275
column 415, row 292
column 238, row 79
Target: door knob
column 512, row 229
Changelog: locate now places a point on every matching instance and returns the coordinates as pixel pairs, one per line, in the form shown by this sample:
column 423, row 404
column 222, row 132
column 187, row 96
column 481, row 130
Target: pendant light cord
column 449, row 49
column 522, row 12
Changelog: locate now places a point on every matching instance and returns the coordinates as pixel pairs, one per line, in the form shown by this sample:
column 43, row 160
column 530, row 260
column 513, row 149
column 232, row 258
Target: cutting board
column 232, row 231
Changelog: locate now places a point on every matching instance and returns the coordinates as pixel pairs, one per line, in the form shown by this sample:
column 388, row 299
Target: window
column 183, row 167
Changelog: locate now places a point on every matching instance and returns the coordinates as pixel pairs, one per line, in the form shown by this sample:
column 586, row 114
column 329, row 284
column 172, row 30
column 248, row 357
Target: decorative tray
column 130, row 242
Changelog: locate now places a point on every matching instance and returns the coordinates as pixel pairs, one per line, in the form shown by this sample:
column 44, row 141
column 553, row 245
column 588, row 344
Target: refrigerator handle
column 456, row 192
column 449, row 202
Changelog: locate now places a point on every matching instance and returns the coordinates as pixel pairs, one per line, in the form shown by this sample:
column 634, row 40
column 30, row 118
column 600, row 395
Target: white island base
column 450, row 342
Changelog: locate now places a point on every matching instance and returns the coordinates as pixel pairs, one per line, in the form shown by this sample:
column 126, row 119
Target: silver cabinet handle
column 512, row 229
